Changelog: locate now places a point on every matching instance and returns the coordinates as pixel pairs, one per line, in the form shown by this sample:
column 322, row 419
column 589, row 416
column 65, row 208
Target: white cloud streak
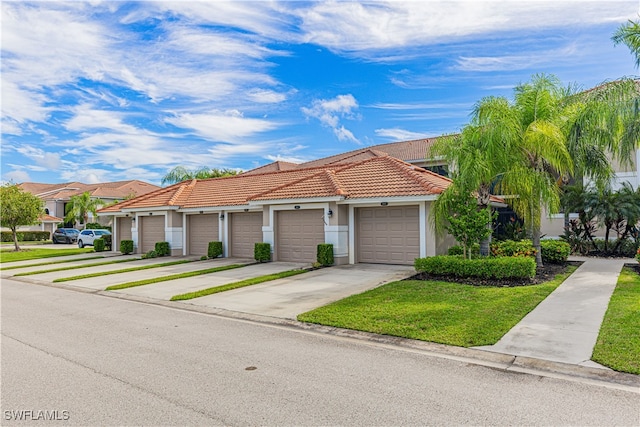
column 331, row 111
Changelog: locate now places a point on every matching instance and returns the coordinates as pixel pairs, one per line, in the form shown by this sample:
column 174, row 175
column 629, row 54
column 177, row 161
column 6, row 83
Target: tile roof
column 49, row 218
column 112, row 190
column 379, row 176
column 409, row 151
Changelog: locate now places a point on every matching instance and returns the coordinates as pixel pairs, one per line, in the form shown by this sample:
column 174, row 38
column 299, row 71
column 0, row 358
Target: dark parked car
column 65, row 235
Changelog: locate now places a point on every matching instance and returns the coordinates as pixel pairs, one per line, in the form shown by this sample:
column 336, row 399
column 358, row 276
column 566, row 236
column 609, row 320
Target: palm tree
column 180, row 173
column 540, row 152
column 80, row 206
column 629, row 34
column 478, row 156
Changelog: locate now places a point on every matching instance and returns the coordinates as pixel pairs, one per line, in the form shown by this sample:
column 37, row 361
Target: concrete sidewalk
column 565, row 326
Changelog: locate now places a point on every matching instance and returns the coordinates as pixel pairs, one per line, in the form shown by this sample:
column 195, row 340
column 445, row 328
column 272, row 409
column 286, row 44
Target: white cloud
column 361, row 28
column 228, row 126
column 331, row 111
column 397, row 134
column 16, row 176
column 87, row 118
column 43, row 160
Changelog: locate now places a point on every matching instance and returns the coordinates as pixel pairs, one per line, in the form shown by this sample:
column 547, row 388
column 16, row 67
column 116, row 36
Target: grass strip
column 40, row 264
column 124, row 270
column 236, row 285
column 618, row 344
column 95, row 264
column 435, row 311
column 173, row 277
column 27, row 254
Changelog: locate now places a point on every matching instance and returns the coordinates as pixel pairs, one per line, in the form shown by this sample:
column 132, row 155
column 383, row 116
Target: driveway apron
column 565, row 326
column 286, row 298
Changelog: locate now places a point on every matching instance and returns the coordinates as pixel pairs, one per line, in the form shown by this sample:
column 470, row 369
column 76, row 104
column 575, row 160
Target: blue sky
column 107, row 91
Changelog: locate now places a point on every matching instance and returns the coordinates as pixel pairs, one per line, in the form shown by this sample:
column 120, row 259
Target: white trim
column 147, row 209
column 391, row 201
column 311, row 200
column 352, row 235
column 422, row 215
column 173, row 234
column 184, row 235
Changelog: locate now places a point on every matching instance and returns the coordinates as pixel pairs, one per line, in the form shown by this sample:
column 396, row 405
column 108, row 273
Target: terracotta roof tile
column 272, row 167
column 115, row 190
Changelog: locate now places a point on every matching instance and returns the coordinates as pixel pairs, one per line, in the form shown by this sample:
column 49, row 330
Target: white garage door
column 246, row 231
column 202, row 230
column 299, row 233
column 152, row 231
column 124, row 231
column 388, row 235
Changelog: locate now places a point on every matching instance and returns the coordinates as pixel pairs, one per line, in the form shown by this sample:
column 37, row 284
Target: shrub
column 26, row 236
column 107, row 241
column 150, row 254
column 262, row 252
column 627, row 247
column 325, row 254
column 511, row 248
column 204, row 258
column 459, row 250
column 96, row 226
column 485, row 268
column 554, row 251
column 126, row 246
column 98, row 245
column 214, row 250
column 162, row 248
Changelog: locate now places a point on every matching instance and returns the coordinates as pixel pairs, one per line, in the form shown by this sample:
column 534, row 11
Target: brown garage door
column 202, row 230
column 151, row 232
column 124, row 231
column 299, row 233
column 388, row 235
column 246, row 231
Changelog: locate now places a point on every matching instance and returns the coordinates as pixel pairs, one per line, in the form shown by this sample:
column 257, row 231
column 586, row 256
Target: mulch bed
column 544, row 274
column 635, row 267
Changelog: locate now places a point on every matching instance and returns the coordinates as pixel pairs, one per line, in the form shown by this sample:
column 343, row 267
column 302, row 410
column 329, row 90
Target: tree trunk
column 485, row 244
column 535, row 238
column 15, row 239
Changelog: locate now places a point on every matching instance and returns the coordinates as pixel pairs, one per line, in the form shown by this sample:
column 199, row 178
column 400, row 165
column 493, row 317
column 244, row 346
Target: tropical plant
column 629, row 34
column 180, row 173
column 466, row 222
column 80, row 206
column 18, row 208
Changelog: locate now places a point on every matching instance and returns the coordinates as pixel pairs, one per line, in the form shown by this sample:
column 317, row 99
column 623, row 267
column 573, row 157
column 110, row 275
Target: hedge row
column 26, row 236
column 484, row 268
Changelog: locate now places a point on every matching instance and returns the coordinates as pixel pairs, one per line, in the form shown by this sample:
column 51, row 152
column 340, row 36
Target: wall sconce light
column 296, row 207
column 127, row 215
column 150, row 213
column 221, row 217
column 133, row 221
column 384, row 203
column 329, row 213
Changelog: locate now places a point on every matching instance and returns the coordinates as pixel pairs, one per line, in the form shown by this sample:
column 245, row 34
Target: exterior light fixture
column 384, row 203
column 221, row 217
column 296, row 207
column 329, row 213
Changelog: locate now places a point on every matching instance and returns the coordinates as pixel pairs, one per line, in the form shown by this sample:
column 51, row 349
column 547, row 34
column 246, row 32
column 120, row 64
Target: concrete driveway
column 286, row 298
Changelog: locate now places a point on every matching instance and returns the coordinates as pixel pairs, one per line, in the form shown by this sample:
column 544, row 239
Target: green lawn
column 27, row 254
column 618, row 345
column 173, row 277
column 442, row 312
column 122, row 270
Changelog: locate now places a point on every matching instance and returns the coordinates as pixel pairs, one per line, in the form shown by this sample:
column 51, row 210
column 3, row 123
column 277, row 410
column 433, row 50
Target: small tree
column 80, row 206
column 467, row 222
column 18, row 208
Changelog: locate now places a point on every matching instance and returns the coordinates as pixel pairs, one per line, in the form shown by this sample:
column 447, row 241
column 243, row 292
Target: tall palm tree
column 478, row 156
column 629, row 34
column 540, row 152
column 80, row 206
column 180, row 173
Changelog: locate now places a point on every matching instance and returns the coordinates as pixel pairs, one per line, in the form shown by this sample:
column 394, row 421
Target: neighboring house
column 56, row 197
column 373, row 208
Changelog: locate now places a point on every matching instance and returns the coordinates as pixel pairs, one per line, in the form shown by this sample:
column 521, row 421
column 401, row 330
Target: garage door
column 299, row 233
column 124, row 231
column 246, row 231
column 202, row 230
column 388, row 235
column 152, row 231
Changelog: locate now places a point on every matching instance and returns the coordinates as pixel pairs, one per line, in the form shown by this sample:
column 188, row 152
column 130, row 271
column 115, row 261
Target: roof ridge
column 416, row 173
column 125, row 203
column 335, row 182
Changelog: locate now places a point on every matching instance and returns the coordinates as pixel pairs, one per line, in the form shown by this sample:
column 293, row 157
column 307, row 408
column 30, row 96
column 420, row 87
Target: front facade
column 373, row 209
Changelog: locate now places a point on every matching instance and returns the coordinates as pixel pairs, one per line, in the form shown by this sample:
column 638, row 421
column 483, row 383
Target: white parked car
column 86, row 237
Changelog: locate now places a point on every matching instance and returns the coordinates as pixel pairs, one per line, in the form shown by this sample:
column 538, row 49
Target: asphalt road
column 88, row 359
